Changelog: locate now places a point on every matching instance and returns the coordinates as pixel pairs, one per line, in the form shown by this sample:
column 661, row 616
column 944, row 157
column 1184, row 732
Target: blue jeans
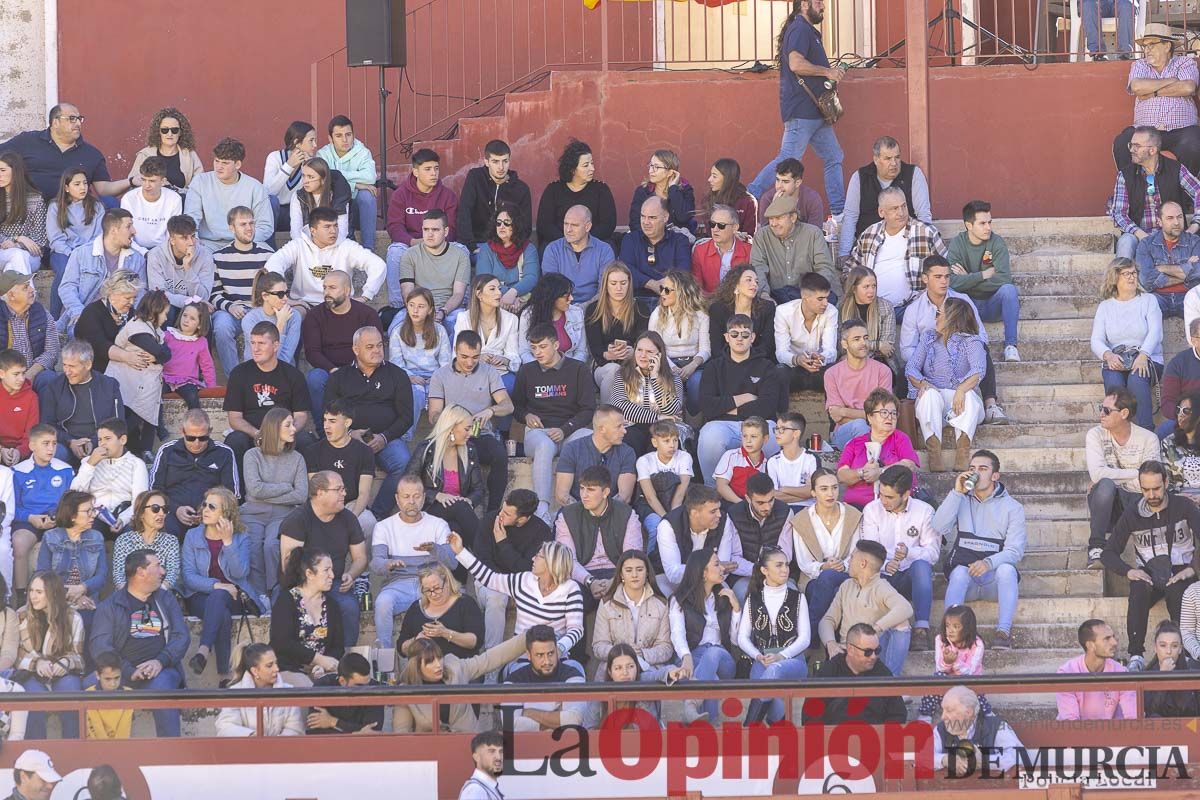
column 691, row 391
column 1005, row 305
column 848, row 430
column 262, row 529
column 1127, row 246
column 35, row 725
column 1106, row 502
column 420, row 396
column 215, row 610
column 58, row 263
column 1093, row 10
column 999, row 584
column 769, row 711
column 395, row 598
column 797, row 135
column 916, row 584
column 393, row 458
column 166, row 720
column 1142, row 389
column 720, row 435
column 819, row 594
column 316, row 379
column 225, row 332
column 1171, row 303
column 895, row 649
column 709, row 663
column 368, row 217
column 347, row 603
column 394, row 253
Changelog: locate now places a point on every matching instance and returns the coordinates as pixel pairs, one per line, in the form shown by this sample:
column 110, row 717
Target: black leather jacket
column 470, row 475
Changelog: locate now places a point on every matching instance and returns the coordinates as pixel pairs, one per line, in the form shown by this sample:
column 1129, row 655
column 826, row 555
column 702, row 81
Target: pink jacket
column 409, row 204
column 967, row 661
column 189, row 360
column 1095, row 705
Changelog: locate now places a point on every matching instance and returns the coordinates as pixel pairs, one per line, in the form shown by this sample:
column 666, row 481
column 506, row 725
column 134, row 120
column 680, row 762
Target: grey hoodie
column 163, row 272
column 993, row 529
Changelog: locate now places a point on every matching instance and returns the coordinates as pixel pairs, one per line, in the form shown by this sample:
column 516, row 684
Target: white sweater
column 913, row 527
column 114, row 481
column 692, row 342
column 502, row 342
column 310, row 264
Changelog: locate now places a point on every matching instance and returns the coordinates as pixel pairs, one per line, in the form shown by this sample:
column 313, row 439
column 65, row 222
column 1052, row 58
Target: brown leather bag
column 829, row 104
column 906, row 421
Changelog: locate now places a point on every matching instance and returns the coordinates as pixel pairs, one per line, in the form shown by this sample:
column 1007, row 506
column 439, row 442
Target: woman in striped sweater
column 546, row 595
column 646, row 391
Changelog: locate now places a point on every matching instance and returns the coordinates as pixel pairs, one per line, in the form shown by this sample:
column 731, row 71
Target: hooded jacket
column 992, row 530
column 164, row 272
column 407, row 207
column 480, row 197
column 357, row 165
column 310, row 264
column 18, row 414
column 57, row 404
column 1169, row 532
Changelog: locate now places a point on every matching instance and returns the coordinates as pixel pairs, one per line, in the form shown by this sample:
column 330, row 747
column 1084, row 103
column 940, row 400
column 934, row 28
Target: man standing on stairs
column 1164, row 529
column 980, row 269
column 988, row 526
column 1168, row 261
column 1114, row 449
column 922, row 315
column 1144, row 186
column 1099, row 645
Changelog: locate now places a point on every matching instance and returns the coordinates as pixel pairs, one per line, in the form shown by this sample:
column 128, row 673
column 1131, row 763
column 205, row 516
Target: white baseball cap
column 38, row 762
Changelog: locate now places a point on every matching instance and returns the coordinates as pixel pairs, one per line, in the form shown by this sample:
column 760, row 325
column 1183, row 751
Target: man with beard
column 328, row 334
column 1144, row 186
column 487, row 751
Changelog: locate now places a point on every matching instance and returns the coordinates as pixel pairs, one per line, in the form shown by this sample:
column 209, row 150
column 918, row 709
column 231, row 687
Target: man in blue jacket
column 186, row 468
column 143, row 624
column 655, row 250
column 988, row 525
column 77, row 401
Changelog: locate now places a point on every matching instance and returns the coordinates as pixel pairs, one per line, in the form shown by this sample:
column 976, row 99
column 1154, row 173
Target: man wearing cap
column 1162, row 85
column 787, row 249
column 26, row 326
column 34, row 775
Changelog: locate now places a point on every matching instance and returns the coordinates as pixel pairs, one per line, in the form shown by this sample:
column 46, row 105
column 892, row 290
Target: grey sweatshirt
column 208, row 202
column 280, row 480
column 163, row 272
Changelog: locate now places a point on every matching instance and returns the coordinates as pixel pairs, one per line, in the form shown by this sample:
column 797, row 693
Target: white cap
column 38, row 762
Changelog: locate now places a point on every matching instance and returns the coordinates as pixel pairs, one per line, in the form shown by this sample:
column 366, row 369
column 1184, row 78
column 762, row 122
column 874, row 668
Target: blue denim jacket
column 1152, row 251
column 233, row 560
column 86, row 269
column 58, row 550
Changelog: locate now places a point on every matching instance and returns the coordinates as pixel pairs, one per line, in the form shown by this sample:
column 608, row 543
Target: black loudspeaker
column 375, row 33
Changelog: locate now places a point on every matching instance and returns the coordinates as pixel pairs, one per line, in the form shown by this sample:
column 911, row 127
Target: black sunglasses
column 868, row 651
column 211, row 506
column 157, row 508
column 169, row 130
column 739, row 334
column 720, row 226
column 665, row 290
column 280, row 293
column 203, row 438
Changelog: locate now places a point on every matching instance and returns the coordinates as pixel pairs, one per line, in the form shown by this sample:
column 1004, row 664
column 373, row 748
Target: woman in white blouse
column 682, row 322
column 774, row 630
column 495, row 326
column 702, row 614
column 646, row 391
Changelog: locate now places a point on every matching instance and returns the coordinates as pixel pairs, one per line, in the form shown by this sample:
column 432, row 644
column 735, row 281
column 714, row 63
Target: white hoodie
column 310, row 264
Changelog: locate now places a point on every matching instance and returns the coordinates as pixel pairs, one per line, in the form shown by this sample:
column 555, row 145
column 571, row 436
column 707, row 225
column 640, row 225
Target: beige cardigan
column 803, row 533
column 458, row 671
column 189, row 162
column 614, row 625
column 72, row 660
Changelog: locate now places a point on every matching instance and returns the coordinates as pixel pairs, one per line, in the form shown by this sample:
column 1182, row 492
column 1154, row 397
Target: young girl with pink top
column 191, row 366
column 957, row 650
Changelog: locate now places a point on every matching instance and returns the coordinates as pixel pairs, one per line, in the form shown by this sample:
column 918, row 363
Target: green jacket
column 971, row 258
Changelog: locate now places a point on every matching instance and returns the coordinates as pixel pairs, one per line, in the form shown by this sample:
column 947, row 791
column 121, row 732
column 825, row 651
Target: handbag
column 829, row 104
column 1127, row 355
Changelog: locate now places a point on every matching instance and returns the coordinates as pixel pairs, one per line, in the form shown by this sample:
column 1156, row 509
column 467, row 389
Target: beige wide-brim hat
column 1157, row 31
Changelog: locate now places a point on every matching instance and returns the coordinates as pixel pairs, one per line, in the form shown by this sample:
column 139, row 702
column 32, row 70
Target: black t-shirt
column 464, row 616
column 174, row 171
column 146, row 639
column 334, row 537
column 254, row 392
column 351, row 462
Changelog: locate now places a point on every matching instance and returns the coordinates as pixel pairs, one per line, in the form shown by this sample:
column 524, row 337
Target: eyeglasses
column 867, row 651
column 211, row 506
column 90, row 511
column 436, row 590
column 740, row 334
column 886, row 413
column 203, row 438
column 156, row 508
column 719, row 226
column 1136, row 146
column 504, row 223
column 783, row 428
column 281, row 293
column 73, row 118
column 654, row 166
column 169, row 130
column 664, row 290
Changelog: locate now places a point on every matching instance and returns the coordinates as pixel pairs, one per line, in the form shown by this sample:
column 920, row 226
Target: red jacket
column 18, row 413
column 408, row 205
column 706, row 261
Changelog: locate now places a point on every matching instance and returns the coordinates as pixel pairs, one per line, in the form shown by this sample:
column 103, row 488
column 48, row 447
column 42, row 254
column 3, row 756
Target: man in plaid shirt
column 895, row 249
column 1162, row 85
column 1145, row 186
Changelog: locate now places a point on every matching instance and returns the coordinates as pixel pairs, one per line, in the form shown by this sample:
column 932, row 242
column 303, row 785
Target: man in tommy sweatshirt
column 1163, row 528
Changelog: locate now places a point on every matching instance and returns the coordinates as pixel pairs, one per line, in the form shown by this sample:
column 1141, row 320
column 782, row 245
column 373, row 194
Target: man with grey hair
column 328, row 333
column 379, row 394
column 862, row 192
column 76, row 401
column 786, row 250
column 655, row 250
column 187, row 467
column 896, row 248
column 1144, row 187
column 713, row 258
column 577, row 255
column 966, row 742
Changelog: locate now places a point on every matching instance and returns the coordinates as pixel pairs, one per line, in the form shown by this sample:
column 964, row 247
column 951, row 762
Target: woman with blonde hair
column 276, row 483
column 646, row 391
column 448, row 465
column 442, row 613
column 1127, row 337
column 612, row 321
column 681, row 319
column 101, row 321
column 269, row 303
column 259, row 669
column 861, row 300
column 216, row 579
column 141, row 387
column 495, row 326
column 944, row 375
column 320, row 186
column 663, row 179
column 51, row 649
column 170, row 138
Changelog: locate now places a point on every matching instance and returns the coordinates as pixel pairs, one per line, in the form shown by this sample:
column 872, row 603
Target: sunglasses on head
column 169, row 130
column 203, row 438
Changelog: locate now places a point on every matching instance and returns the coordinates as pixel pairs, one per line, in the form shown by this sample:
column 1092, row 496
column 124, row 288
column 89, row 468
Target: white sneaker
column 1094, row 555
column 995, row 415
column 1011, row 354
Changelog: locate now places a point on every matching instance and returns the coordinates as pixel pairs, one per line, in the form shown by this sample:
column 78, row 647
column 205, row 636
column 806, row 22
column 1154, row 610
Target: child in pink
column 191, row 366
column 957, row 650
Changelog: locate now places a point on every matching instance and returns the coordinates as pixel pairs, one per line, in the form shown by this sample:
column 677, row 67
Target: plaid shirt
column 923, row 241
column 945, row 366
column 1164, row 113
column 1118, row 204
column 18, row 339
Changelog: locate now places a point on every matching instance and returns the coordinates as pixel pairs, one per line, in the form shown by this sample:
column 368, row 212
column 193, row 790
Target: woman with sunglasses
column 1181, row 449
column 738, row 294
column 663, row 179
column 1127, row 337
column 702, row 613
column 865, row 457
column 147, row 529
column 774, row 630
column 682, row 322
column 74, row 550
column 552, row 301
column 443, row 614
column 216, row 579
column 646, row 391
column 268, row 301
column 170, row 138
column 509, row 254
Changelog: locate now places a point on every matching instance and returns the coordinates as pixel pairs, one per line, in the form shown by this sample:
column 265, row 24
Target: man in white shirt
column 487, row 752
column 312, row 258
column 697, row 523
column 151, row 205
column 904, row 526
column 806, row 332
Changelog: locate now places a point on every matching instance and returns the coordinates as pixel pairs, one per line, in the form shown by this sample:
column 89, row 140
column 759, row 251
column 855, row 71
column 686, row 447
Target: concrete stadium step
column 1056, row 539
column 1052, row 393
column 1036, row 283
column 1028, row 660
column 1077, row 331
column 1039, row 623
column 1044, row 456
column 1063, row 260
column 1052, row 228
column 1030, row 434
column 1021, row 484
column 1050, row 507
column 1043, row 556
column 1040, row 373
column 1063, row 306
